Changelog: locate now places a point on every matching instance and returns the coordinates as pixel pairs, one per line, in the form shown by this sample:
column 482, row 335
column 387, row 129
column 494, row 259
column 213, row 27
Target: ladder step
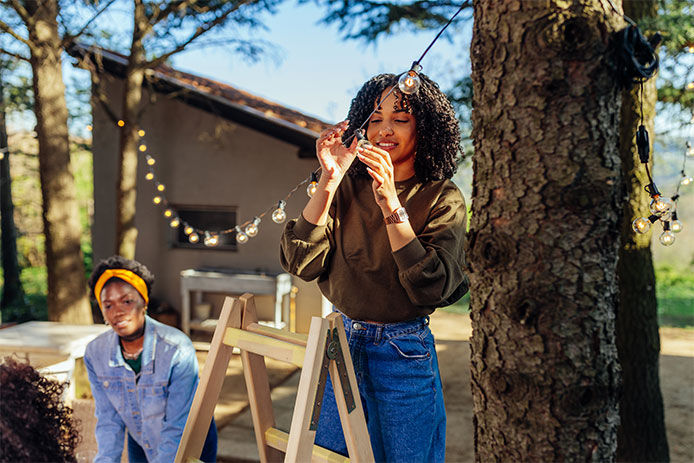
column 265, row 346
column 283, row 335
column 278, row 440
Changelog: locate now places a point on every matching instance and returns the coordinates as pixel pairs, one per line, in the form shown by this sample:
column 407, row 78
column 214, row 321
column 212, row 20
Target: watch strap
column 398, row 216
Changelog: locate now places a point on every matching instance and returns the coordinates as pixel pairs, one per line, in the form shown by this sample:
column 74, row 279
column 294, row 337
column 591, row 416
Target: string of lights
column 663, row 208
column 408, row 83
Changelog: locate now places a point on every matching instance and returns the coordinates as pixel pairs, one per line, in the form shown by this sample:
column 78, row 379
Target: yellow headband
column 126, row 275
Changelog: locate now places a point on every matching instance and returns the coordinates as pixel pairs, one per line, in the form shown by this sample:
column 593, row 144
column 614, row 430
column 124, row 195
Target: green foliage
column 367, row 20
column 675, row 25
column 675, row 292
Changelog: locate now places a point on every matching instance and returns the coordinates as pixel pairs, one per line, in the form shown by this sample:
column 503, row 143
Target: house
column 224, row 156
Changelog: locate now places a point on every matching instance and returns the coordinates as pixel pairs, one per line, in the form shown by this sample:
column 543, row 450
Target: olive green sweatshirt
column 353, row 261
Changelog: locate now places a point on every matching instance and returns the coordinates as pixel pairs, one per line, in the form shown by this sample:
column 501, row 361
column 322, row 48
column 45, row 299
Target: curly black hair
column 438, row 132
column 122, row 263
column 35, row 425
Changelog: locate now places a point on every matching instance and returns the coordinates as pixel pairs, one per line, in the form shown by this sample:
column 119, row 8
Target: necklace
column 132, row 356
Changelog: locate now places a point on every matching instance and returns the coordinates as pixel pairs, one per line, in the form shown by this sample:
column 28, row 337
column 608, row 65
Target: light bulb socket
column 666, row 226
column 653, row 218
column 416, row 67
column 652, row 190
column 314, row 177
column 281, row 204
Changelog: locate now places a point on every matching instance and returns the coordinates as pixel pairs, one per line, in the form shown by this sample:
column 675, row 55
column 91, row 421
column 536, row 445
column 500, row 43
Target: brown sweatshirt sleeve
column 305, row 248
column 430, row 267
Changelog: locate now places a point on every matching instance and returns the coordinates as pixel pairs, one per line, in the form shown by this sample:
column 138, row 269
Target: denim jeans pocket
column 410, row 346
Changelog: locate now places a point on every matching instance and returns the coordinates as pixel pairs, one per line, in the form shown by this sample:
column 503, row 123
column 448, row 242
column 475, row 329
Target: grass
column 674, row 290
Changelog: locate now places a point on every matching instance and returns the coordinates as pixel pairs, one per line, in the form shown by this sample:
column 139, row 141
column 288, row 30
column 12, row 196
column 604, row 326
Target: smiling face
column 123, row 308
column 392, row 128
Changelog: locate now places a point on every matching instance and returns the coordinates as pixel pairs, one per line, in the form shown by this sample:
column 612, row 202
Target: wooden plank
column 354, row 422
column 210, row 385
column 258, row 386
column 301, row 438
column 283, row 335
column 278, row 439
column 265, row 346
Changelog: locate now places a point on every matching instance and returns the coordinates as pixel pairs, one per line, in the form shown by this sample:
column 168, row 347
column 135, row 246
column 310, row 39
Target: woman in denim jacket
column 143, row 374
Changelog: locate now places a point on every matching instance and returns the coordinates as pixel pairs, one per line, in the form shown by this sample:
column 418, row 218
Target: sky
column 319, row 72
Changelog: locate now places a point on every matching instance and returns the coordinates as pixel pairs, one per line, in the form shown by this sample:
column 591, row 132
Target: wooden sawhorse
column 323, row 351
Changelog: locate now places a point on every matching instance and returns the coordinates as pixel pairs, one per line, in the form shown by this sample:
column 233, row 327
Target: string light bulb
column 188, row 230
column 279, row 215
column 690, row 148
column 193, row 237
column 121, row 123
column 676, row 224
column 241, row 237
column 667, row 238
column 168, row 213
column 157, row 199
column 150, row 160
column 312, row 185
column 688, row 180
column 175, row 222
column 410, row 82
column 160, row 187
column 642, row 224
column 210, row 239
column 252, row 228
column 149, row 176
column 90, row 128
column 142, row 148
column 660, row 205
column 141, row 133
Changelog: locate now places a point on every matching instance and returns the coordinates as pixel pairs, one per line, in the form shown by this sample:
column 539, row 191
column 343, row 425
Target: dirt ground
column 452, row 332
column 676, row 380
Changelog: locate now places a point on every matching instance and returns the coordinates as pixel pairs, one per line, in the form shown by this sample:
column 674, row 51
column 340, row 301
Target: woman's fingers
column 375, row 175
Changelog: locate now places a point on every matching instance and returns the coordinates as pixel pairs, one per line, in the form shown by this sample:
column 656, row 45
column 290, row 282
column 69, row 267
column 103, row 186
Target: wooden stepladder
column 324, row 351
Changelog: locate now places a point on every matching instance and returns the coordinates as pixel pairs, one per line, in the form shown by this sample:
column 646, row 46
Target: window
column 213, row 218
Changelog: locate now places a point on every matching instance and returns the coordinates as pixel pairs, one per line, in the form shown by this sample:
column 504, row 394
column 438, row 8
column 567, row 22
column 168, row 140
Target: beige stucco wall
column 208, row 161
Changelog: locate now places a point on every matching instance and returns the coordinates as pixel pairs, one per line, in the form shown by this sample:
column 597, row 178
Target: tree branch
column 170, row 8
column 6, row 28
column 69, row 38
column 198, row 32
column 13, row 55
column 22, row 12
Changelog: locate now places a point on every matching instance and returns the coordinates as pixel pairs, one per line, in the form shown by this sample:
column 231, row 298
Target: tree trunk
column 126, row 231
column 67, row 289
column 641, row 435
column 12, row 292
column 544, row 234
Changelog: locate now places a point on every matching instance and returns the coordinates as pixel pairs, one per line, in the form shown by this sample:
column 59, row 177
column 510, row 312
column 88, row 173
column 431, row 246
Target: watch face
column 402, row 214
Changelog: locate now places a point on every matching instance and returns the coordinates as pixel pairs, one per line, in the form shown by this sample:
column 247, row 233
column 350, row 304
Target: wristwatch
column 399, row 216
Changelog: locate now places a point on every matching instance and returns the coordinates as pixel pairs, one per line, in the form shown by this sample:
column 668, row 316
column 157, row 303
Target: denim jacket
column 153, row 407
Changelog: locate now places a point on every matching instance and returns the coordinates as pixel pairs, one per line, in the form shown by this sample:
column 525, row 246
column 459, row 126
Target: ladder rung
column 283, row 335
column 266, row 346
column 278, row 440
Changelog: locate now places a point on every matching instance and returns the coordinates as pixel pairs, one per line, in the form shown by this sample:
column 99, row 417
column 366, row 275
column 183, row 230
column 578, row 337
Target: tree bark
column 544, row 234
column 67, row 290
column 126, row 231
column 12, row 292
column 641, row 435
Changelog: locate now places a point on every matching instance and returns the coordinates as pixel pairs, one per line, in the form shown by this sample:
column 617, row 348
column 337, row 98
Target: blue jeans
column 397, row 372
column 136, row 454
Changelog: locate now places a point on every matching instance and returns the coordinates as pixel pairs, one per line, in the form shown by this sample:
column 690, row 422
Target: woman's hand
column 333, row 156
column 380, row 168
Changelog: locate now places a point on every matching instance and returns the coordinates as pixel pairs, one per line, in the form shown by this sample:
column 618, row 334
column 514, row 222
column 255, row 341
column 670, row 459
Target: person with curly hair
column 35, row 425
column 384, row 235
column 143, row 373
